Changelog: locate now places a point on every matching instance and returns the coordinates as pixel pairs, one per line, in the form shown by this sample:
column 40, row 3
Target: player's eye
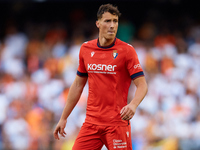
column 107, row 20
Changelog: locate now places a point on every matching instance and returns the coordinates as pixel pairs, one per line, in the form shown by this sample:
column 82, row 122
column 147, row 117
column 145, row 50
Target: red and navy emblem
column 115, row 54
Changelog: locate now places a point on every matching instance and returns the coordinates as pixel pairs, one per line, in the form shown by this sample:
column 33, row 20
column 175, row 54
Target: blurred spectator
column 147, row 32
column 16, row 128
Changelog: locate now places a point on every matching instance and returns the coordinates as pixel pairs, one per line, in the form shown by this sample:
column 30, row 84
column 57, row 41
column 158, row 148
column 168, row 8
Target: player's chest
column 112, row 60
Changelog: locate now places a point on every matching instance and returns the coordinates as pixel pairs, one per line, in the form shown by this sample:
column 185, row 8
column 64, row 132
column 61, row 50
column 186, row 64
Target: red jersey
column 109, row 70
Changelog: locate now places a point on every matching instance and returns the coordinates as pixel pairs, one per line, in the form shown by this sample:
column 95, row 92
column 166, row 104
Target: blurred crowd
column 38, row 65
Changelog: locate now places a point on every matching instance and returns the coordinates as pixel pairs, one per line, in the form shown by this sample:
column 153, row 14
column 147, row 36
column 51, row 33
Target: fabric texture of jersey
column 109, row 70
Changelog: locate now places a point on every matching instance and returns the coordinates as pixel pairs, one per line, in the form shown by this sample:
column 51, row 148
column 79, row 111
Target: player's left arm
column 128, row 111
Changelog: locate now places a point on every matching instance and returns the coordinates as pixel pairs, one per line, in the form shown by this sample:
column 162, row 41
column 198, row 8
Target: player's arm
column 128, row 111
column 72, row 99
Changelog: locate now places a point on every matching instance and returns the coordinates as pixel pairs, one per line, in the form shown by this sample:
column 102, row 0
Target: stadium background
column 39, row 45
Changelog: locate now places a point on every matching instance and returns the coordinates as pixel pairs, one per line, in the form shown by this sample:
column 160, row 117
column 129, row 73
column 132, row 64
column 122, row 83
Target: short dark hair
column 108, row 8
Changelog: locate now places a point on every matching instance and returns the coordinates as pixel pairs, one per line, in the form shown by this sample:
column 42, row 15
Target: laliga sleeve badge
column 115, row 54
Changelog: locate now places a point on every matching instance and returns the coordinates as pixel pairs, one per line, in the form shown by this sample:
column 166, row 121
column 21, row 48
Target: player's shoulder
column 89, row 43
column 88, row 46
column 125, row 45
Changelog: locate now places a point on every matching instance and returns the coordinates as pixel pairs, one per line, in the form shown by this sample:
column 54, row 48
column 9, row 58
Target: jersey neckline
column 105, row 47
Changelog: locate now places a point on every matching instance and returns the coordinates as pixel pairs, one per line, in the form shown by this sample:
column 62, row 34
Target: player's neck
column 105, row 42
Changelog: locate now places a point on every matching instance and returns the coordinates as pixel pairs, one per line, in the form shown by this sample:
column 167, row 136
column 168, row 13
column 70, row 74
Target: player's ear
column 97, row 23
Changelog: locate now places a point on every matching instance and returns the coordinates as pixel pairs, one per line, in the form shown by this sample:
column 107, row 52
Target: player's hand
column 60, row 129
column 127, row 112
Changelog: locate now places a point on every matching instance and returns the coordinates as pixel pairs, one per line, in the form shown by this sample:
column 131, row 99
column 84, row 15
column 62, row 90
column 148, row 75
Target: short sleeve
column 81, row 67
column 133, row 65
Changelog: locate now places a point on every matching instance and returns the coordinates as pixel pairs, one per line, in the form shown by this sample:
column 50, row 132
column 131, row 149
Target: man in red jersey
column 109, row 65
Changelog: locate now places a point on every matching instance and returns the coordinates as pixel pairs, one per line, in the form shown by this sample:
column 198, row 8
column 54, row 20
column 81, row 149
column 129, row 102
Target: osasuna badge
column 115, row 54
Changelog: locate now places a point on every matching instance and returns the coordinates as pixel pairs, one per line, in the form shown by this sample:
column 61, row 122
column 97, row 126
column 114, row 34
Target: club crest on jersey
column 115, row 54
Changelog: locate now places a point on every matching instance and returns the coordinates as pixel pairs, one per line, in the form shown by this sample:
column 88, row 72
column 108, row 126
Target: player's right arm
column 72, row 99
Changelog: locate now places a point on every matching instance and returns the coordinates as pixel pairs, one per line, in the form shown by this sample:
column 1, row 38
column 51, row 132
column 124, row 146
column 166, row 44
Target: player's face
column 108, row 26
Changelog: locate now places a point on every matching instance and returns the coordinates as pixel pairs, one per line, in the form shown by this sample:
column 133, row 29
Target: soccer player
column 110, row 66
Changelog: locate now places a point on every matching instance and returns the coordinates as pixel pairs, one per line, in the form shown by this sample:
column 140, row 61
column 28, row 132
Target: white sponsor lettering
column 119, row 144
column 102, row 72
column 114, row 141
column 101, row 67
